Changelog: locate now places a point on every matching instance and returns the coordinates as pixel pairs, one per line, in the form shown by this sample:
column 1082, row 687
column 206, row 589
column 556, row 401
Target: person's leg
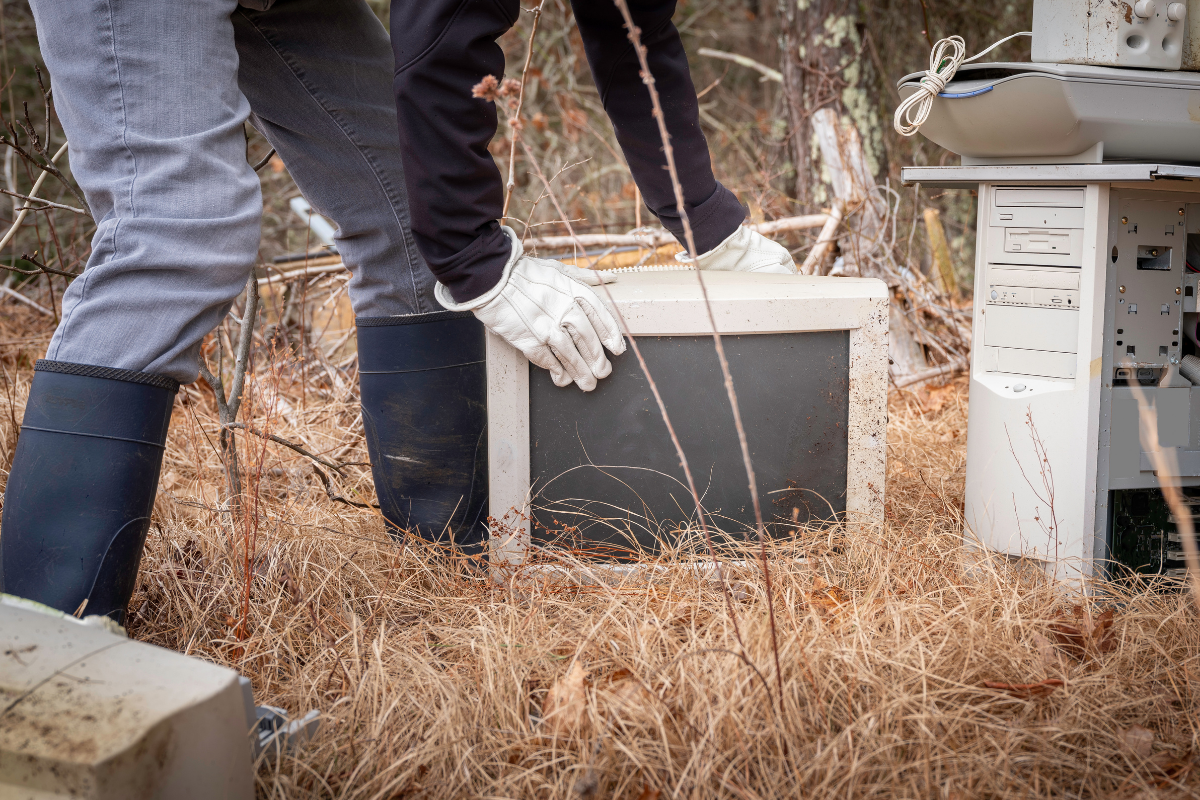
column 443, row 49
column 147, row 94
column 713, row 211
column 318, row 74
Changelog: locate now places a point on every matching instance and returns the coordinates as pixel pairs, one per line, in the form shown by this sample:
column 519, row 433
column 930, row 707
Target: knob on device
column 1144, row 8
column 1176, row 12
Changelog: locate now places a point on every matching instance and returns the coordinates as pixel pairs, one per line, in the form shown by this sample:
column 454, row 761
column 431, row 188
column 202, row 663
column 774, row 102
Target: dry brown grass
column 433, row 682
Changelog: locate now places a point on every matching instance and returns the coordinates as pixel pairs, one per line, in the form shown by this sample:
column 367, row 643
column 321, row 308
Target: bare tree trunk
column 855, row 192
column 825, row 65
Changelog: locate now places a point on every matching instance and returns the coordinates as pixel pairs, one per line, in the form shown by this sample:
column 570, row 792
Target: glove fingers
column 543, row 356
column 583, row 333
column 603, row 322
column 563, row 344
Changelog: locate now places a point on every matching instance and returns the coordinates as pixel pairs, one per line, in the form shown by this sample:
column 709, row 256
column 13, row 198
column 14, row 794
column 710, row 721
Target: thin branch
column 44, row 166
column 37, row 185
column 241, row 426
column 245, row 339
column 662, row 410
column 265, row 160
column 514, row 122
column 668, row 151
column 41, row 268
column 337, row 497
column 45, row 203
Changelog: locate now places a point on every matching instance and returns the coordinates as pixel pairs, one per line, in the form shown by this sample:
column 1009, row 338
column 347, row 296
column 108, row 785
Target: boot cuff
column 110, row 373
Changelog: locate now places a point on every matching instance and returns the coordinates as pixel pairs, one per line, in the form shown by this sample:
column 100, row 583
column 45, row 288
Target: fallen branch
column 768, row 74
column 328, row 264
column 824, row 241
column 660, row 238
column 324, row 267
column 957, row 365
column 18, row 296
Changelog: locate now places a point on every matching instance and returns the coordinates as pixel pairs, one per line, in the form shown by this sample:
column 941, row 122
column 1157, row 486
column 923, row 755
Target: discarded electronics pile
column 1085, row 367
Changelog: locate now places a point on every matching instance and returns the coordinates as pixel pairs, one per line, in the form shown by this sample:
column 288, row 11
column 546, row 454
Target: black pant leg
column 443, row 48
column 713, row 211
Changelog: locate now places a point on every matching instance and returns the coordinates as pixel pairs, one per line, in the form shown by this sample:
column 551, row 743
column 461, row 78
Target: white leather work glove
column 748, row 251
column 546, row 310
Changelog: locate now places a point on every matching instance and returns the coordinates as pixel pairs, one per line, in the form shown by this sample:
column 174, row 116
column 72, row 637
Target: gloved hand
column 748, row 251
column 545, row 309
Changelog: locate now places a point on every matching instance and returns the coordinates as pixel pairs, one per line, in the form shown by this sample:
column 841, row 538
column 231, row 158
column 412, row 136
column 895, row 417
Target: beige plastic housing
column 1110, row 33
column 86, row 713
column 670, row 303
column 1022, row 113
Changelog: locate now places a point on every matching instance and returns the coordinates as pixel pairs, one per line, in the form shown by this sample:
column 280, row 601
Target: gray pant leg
column 318, row 74
column 147, row 94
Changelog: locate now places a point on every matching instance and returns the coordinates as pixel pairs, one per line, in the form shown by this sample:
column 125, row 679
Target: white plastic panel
column 1065, row 197
column 1032, row 329
column 1002, row 275
column 1035, row 362
column 1038, row 216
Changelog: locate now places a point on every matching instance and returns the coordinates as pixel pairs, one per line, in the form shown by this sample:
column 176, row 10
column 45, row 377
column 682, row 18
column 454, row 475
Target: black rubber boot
column 424, row 403
column 79, row 496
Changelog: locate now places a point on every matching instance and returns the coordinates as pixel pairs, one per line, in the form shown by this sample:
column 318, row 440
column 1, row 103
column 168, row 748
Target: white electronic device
column 88, row 713
column 1148, row 34
column 1085, row 319
column 1084, row 313
column 1020, row 113
column 809, row 362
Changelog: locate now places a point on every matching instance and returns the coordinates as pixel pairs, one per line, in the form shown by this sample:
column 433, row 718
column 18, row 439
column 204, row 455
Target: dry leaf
column 1026, row 691
column 1085, row 636
column 565, row 707
column 938, row 398
column 1045, row 650
column 1138, row 740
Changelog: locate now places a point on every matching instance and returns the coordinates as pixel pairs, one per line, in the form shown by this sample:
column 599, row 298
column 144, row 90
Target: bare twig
column 241, row 426
column 957, row 365
column 42, row 269
column 668, row 151
column 37, row 185
column 337, row 497
column 265, row 160
column 514, row 122
column 46, row 166
column 227, row 409
column 45, row 203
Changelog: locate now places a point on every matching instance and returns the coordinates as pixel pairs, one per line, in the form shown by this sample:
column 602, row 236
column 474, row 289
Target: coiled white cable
column 914, row 111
